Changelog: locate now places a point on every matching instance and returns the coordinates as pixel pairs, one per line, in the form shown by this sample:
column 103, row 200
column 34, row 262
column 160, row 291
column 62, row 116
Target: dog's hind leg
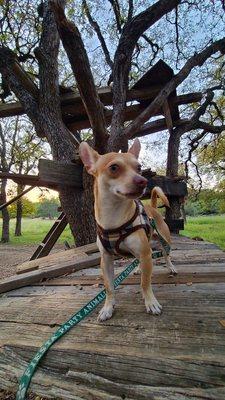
column 108, row 275
column 169, row 263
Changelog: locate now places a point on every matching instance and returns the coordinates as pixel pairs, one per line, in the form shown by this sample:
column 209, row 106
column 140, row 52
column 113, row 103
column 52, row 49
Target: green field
column 34, row 231
column 211, row 228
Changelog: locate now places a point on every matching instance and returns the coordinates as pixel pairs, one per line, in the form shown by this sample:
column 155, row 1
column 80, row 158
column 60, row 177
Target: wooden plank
column 157, row 126
column 178, row 355
column 54, row 259
column 168, row 117
column 29, row 278
column 79, row 383
column 25, row 79
column 181, row 352
column 169, row 186
column 31, row 180
column 51, row 238
column 194, row 274
column 55, row 172
column 57, row 258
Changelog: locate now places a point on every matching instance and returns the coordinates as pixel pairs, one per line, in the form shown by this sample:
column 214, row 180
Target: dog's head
column 119, row 173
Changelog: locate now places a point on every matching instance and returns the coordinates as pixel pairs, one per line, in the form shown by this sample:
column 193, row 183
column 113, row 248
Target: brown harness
column 112, row 238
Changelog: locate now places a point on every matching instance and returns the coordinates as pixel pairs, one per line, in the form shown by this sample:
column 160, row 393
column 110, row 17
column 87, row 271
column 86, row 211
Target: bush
column 29, row 208
column 48, row 208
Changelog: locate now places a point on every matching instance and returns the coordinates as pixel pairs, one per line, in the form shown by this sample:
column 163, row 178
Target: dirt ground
column 11, row 256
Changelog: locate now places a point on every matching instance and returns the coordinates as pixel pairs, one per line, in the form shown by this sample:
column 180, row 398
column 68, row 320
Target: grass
column 34, row 231
column 210, row 228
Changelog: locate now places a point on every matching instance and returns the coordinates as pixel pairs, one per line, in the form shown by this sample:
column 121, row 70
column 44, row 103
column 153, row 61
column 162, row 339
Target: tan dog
column 118, row 182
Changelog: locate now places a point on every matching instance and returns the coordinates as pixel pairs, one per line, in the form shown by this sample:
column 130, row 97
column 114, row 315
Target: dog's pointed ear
column 89, row 157
column 135, row 148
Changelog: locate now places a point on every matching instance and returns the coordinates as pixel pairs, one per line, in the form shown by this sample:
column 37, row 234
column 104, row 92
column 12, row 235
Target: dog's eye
column 114, row 167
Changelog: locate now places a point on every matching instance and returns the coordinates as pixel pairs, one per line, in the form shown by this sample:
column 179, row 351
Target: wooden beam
column 52, row 174
column 31, row 180
column 56, row 173
column 157, row 126
column 55, row 259
column 51, row 238
column 25, row 79
column 29, row 278
column 194, row 274
column 168, row 117
column 72, row 101
column 169, row 186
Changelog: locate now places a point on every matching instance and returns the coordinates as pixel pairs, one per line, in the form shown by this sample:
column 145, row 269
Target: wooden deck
column 178, row 355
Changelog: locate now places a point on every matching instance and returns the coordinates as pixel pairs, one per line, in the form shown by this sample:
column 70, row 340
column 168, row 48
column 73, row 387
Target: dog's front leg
column 151, row 303
column 108, row 276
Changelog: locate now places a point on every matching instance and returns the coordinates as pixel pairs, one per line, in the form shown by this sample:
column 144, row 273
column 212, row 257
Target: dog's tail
column 157, row 192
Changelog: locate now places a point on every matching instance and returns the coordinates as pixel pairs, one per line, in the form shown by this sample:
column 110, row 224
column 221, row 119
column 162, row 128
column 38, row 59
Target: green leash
column 74, row 320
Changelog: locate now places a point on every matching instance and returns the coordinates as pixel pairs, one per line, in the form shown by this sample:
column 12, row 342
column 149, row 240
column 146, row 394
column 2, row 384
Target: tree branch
column 116, row 9
column 97, row 29
column 7, row 63
column 47, row 55
column 131, row 32
column 74, row 47
column 196, row 60
column 130, row 10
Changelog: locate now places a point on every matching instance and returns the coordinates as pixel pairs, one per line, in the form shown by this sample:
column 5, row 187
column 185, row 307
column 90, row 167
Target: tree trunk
column 78, row 206
column 5, row 214
column 19, row 211
column 172, row 170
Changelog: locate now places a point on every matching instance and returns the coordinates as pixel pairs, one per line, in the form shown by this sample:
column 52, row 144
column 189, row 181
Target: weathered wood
column 192, row 275
column 168, row 117
column 175, row 356
column 29, row 278
column 170, row 186
column 25, row 79
column 51, row 238
column 57, row 258
column 72, row 101
column 55, row 172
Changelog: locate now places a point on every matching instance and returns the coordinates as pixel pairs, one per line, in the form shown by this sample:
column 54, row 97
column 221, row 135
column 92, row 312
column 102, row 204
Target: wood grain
column 177, row 356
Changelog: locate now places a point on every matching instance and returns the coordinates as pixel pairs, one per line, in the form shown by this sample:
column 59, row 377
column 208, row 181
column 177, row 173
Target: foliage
column 48, row 208
column 29, row 208
column 211, row 157
column 209, row 201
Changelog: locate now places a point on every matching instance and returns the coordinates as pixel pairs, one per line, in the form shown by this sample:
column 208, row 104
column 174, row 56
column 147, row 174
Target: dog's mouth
column 132, row 195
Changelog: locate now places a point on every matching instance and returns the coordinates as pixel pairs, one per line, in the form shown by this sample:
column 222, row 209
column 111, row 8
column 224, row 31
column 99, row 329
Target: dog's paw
column 152, row 306
column 138, row 271
column 105, row 313
column 173, row 269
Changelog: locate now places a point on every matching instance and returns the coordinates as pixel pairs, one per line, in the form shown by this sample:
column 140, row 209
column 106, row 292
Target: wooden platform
column 178, row 355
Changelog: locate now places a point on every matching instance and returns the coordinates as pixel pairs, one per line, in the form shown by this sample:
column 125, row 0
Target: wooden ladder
column 51, row 238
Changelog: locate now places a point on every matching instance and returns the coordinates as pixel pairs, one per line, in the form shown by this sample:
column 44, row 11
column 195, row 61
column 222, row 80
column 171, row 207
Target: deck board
column 178, row 355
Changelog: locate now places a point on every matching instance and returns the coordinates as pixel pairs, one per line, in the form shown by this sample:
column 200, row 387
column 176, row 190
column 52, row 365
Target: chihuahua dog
column 121, row 218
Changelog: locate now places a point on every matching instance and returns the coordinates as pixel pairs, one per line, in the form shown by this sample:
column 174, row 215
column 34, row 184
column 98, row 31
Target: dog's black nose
column 140, row 181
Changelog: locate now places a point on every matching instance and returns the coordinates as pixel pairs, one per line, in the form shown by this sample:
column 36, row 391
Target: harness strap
column 120, row 228
column 125, row 235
